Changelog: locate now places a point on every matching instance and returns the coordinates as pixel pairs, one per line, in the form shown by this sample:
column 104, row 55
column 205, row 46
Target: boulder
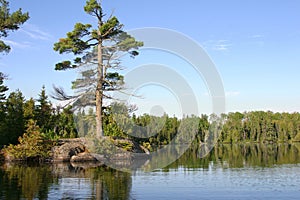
column 83, row 157
column 76, row 151
column 65, row 152
column 99, row 157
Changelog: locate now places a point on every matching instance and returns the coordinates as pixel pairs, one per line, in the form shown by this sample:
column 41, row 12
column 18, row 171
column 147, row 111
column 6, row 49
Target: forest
column 17, row 114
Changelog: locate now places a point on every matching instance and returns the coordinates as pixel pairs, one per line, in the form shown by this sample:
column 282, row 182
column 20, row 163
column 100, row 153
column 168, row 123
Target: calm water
column 229, row 172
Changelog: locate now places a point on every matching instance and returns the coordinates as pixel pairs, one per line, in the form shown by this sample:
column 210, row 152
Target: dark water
column 229, row 172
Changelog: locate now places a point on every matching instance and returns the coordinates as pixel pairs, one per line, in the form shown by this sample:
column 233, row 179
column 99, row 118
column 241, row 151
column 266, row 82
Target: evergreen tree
column 99, row 51
column 29, row 110
column 66, row 126
column 43, row 112
column 9, row 22
column 15, row 117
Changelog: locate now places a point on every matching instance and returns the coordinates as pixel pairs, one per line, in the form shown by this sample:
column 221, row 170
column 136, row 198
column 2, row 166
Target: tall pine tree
column 97, row 52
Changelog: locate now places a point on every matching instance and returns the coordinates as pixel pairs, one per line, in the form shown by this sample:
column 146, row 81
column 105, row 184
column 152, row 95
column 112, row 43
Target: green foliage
column 103, row 146
column 85, row 123
column 64, row 65
column 29, row 110
column 9, row 22
column 296, row 138
column 32, row 145
column 148, row 146
column 260, row 126
column 43, row 112
column 15, row 113
column 65, row 127
column 111, row 28
column 125, row 144
column 73, row 43
column 113, row 81
column 92, row 7
column 14, row 121
column 127, row 43
column 115, row 120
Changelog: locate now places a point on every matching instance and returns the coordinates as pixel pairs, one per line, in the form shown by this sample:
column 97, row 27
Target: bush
column 296, row 138
column 32, row 145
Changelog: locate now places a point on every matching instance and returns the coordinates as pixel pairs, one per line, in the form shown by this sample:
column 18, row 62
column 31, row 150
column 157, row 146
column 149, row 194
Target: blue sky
column 254, row 45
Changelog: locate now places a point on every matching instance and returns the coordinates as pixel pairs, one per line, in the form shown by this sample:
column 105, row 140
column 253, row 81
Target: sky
column 253, row 44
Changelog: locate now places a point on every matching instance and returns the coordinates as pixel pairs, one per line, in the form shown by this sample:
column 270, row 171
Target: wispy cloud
column 35, row 32
column 20, row 45
column 217, row 45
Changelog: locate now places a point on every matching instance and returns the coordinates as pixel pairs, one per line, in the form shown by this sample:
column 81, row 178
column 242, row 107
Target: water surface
column 228, row 172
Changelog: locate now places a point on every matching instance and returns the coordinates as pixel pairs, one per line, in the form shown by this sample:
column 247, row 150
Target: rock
column 83, row 157
column 76, row 152
column 99, row 157
column 71, row 140
column 121, row 156
column 8, row 157
column 64, row 152
column 146, row 151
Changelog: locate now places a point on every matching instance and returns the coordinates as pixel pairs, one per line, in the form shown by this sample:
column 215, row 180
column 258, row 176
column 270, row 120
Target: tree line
column 233, row 127
column 119, row 121
column 17, row 114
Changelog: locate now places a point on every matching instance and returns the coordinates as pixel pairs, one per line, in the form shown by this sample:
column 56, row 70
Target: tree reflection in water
column 23, row 181
column 241, row 155
column 66, row 181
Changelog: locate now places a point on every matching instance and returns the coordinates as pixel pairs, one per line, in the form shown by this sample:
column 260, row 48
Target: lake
column 246, row 171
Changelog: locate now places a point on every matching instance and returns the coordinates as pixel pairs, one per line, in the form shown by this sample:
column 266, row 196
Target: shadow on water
column 66, row 181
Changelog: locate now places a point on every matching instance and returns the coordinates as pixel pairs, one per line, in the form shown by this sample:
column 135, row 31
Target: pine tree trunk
column 99, row 92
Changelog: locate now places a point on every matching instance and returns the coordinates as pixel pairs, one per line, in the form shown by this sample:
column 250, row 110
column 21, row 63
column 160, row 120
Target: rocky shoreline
column 78, row 152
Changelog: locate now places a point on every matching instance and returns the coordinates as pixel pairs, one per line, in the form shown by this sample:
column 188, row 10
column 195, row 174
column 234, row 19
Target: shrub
column 32, row 145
